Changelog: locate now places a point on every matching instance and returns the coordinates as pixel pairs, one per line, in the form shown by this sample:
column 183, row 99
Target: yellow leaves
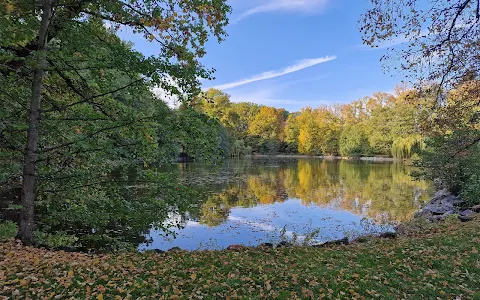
column 209, row 20
column 70, row 273
column 193, row 276
column 99, row 297
column 151, row 37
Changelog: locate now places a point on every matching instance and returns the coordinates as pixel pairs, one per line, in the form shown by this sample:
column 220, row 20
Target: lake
column 301, row 200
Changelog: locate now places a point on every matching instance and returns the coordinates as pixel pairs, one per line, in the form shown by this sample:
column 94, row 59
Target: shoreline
column 326, row 157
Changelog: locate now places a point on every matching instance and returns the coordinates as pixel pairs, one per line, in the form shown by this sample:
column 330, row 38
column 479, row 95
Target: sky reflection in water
column 258, row 198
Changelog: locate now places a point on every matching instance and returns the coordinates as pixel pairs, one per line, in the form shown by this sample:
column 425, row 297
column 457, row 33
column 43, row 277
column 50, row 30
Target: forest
column 383, row 124
column 86, row 136
column 82, row 122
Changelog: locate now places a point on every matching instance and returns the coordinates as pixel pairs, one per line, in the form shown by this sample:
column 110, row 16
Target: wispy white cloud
column 269, row 95
column 303, row 64
column 285, row 5
column 267, row 228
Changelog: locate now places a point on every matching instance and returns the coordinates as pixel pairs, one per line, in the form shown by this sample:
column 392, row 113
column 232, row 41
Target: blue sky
column 295, row 53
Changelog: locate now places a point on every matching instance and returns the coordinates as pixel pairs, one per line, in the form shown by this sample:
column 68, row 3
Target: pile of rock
column 444, row 204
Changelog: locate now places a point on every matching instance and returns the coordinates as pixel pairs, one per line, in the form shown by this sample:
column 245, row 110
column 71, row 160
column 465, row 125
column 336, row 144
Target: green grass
column 8, row 230
column 440, row 261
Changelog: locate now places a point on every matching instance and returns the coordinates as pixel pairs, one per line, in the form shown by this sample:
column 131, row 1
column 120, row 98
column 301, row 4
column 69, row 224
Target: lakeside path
column 435, row 261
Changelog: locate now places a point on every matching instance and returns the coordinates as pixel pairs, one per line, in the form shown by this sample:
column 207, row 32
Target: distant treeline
column 382, row 124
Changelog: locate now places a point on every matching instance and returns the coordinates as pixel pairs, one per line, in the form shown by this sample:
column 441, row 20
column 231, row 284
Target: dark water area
column 301, row 200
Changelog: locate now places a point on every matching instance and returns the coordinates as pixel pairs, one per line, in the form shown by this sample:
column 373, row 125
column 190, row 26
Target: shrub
column 454, row 161
column 8, row 230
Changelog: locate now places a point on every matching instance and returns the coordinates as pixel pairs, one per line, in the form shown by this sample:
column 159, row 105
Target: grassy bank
column 438, row 261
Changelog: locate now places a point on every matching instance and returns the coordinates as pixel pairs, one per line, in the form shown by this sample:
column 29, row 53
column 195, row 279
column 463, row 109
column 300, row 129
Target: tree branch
column 99, row 95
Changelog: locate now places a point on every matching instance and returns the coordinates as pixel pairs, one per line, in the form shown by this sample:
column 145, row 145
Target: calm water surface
column 253, row 201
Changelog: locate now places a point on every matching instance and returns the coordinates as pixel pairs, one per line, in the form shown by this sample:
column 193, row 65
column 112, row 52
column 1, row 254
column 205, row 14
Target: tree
column 354, row 141
column 267, row 124
column 451, row 156
column 328, row 129
column 308, row 134
column 216, row 104
column 319, row 131
column 440, row 38
column 292, row 131
column 45, row 40
column 246, row 113
column 201, row 136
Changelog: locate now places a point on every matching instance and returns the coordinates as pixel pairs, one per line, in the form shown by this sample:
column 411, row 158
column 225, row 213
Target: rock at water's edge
column 441, row 205
column 465, row 218
column 467, row 213
column 388, row 235
column 236, row 248
column 343, row 241
column 174, row 249
column 284, row 244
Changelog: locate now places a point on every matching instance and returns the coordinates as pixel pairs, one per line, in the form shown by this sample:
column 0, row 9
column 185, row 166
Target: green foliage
column 268, row 146
column 239, row 149
column 8, row 230
column 250, row 127
column 201, row 136
column 101, row 127
column 454, row 160
column 452, row 153
column 406, row 147
column 292, row 130
column 354, row 142
column 470, row 192
column 55, row 240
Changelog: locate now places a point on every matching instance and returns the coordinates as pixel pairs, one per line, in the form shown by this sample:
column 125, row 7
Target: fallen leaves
column 441, row 264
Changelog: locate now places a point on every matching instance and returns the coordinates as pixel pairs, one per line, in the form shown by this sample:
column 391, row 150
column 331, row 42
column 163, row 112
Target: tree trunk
column 26, row 226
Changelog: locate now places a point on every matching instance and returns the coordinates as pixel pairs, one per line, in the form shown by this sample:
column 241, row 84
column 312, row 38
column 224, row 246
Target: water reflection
column 250, row 201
